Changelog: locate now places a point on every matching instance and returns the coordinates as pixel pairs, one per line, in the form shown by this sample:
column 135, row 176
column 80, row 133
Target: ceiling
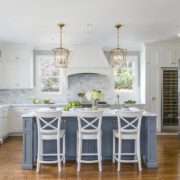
column 88, row 21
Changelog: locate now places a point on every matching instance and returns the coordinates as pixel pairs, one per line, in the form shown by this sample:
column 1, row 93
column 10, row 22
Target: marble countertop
column 107, row 112
column 4, row 105
column 56, row 105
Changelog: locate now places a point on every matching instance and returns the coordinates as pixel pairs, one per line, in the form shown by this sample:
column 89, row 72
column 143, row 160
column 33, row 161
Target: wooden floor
column 168, row 153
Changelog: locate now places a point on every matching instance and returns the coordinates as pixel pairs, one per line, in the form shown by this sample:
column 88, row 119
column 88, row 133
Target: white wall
column 143, row 76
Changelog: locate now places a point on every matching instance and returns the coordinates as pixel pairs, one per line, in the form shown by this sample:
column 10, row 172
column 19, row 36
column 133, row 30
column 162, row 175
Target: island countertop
column 106, row 112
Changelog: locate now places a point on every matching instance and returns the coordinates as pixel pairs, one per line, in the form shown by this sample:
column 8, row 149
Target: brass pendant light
column 117, row 55
column 61, row 55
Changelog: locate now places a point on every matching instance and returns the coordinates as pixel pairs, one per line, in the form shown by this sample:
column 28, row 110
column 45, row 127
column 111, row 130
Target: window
column 126, row 78
column 48, row 75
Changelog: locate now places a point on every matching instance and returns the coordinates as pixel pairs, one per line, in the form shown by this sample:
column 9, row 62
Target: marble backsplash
column 77, row 83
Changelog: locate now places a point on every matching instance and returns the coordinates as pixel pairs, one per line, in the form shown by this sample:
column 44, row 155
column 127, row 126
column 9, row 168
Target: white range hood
column 88, row 59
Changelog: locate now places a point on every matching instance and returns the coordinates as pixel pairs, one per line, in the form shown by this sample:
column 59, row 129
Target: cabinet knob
column 153, row 98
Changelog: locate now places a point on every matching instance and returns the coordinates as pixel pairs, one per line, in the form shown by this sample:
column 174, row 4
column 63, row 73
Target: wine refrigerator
column 169, row 106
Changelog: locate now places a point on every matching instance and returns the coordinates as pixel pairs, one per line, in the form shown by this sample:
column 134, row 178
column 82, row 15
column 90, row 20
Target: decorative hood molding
column 88, row 59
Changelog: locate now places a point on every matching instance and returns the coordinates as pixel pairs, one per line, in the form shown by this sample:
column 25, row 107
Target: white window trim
column 135, row 90
column 62, row 76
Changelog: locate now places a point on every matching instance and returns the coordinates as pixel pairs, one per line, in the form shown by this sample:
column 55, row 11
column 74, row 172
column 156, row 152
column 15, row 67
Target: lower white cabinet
column 5, row 117
column 16, row 119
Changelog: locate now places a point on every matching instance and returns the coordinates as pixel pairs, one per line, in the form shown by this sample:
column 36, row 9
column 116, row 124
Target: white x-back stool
column 49, row 123
column 89, row 128
column 129, row 126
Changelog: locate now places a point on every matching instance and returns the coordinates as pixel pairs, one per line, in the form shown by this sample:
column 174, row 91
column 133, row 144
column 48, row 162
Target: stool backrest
column 48, row 121
column 89, row 120
column 129, row 121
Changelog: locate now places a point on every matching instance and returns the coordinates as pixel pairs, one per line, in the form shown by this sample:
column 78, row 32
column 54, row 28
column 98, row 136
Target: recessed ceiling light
column 89, row 25
column 178, row 34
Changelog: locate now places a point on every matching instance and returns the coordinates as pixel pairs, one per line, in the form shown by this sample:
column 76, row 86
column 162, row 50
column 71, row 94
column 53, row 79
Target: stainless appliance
column 169, row 105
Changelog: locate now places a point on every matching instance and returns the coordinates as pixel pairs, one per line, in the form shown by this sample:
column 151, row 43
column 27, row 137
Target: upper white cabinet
column 152, row 58
column 162, row 58
column 168, row 58
column 16, row 54
column 17, row 72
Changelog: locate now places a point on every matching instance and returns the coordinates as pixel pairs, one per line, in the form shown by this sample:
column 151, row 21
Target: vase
column 95, row 104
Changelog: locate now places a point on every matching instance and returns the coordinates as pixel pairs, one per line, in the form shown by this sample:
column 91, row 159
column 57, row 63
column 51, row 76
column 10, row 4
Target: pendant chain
column 117, row 37
column 61, row 37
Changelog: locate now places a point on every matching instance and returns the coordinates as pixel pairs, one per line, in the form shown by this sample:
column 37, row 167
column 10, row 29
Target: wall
column 77, row 83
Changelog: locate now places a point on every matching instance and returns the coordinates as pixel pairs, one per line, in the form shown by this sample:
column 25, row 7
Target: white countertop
column 107, row 112
column 4, row 105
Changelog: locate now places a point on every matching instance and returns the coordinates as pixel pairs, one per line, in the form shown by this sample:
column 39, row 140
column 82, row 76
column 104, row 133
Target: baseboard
column 167, row 134
column 16, row 134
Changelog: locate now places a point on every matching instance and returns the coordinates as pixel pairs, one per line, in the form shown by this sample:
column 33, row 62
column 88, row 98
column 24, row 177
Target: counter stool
column 89, row 128
column 129, row 125
column 49, row 123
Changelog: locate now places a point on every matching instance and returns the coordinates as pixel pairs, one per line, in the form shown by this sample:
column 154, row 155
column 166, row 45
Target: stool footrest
column 89, row 161
column 89, row 154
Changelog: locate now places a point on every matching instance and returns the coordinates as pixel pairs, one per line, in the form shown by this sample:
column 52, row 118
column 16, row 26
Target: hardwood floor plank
column 168, row 154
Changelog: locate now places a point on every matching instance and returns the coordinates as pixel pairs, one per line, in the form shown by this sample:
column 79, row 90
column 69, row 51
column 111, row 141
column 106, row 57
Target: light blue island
column 69, row 123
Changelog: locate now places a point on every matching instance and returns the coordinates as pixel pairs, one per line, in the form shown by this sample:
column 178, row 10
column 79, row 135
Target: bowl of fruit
column 130, row 101
column 73, row 104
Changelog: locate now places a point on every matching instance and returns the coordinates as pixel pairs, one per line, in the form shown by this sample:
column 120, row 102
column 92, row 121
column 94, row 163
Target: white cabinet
column 162, row 57
column 17, row 69
column 16, row 54
column 153, row 93
column 4, row 122
column 156, row 59
column 168, row 58
column 152, row 58
column 16, row 119
column 10, row 75
column 1, row 74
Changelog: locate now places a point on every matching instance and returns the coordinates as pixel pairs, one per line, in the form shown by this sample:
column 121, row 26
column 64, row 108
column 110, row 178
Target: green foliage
column 123, row 78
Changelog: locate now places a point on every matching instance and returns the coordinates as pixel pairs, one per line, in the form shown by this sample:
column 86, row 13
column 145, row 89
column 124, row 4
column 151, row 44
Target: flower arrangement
column 94, row 95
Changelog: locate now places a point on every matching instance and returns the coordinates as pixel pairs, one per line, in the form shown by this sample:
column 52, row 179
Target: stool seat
column 88, row 135
column 52, row 136
column 125, row 134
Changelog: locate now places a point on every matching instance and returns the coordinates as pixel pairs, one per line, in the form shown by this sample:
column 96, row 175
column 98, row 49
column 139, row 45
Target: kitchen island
column 69, row 123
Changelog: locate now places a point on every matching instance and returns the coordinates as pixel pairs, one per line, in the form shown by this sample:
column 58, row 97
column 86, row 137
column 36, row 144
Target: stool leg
column 99, row 153
column 119, row 154
column 114, row 150
column 39, row 154
column 135, row 149
column 77, row 149
column 64, row 148
column 139, row 154
column 58, row 154
column 79, row 154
